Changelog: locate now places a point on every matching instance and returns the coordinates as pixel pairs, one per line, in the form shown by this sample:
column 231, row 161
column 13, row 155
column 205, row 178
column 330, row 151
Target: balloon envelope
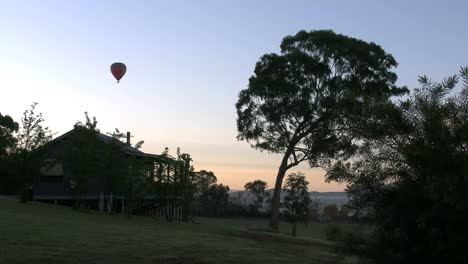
column 118, row 69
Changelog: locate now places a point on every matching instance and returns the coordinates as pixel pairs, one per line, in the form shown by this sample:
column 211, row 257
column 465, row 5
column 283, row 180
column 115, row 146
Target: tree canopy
column 32, row 133
column 311, row 102
column 257, row 188
column 8, row 179
column 411, row 182
column 215, row 199
column 205, row 179
column 297, row 200
column 7, row 138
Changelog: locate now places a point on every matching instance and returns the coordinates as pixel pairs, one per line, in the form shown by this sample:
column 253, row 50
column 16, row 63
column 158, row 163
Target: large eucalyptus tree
column 313, row 101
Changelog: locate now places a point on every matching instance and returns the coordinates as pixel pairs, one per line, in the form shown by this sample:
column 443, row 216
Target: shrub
column 351, row 244
column 333, row 232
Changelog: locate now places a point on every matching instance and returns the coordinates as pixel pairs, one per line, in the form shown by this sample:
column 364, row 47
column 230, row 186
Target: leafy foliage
column 257, row 188
column 412, row 180
column 187, row 182
column 8, row 180
column 18, row 145
column 315, row 99
column 115, row 164
column 205, row 179
column 215, row 199
column 81, row 157
column 177, row 181
column 331, row 212
column 7, row 138
column 297, row 201
column 32, row 133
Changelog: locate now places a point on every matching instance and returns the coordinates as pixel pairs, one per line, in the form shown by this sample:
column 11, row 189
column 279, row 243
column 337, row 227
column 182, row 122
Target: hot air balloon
column 118, row 69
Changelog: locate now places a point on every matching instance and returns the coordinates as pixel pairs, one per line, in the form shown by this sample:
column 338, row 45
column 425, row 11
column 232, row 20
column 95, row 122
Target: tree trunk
column 294, row 229
column 275, row 203
column 24, row 179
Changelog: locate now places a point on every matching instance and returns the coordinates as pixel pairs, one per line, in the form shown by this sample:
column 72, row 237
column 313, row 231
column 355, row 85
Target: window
column 51, row 179
column 51, row 171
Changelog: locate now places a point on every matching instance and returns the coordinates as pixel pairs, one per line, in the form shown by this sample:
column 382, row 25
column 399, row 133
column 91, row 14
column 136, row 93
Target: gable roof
column 128, row 149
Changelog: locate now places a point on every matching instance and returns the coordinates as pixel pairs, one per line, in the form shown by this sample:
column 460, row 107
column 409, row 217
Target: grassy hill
column 42, row 233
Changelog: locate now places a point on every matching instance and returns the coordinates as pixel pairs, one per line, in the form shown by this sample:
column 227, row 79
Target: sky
column 188, row 60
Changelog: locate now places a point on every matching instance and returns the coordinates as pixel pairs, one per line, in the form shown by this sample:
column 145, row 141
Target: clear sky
column 188, row 60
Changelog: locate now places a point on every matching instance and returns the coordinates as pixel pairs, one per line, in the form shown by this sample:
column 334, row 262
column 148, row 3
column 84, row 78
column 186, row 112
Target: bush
column 351, row 244
column 333, row 232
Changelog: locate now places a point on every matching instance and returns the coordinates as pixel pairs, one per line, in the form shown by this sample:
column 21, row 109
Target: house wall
column 45, row 187
column 55, row 181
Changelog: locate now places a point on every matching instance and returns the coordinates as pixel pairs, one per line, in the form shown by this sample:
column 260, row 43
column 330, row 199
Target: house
column 54, row 182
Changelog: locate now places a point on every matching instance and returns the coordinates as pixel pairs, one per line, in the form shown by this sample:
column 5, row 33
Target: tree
column 186, row 183
column 116, row 164
column 126, row 174
column 136, row 181
column 310, row 102
column 297, row 200
column 344, row 213
column 205, row 179
column 331, row 212
column 32, row 134
column 178, row 180
column 81, row 157
column 8, row 128
column 412, row 180
column 215, row 199
column 257, row 188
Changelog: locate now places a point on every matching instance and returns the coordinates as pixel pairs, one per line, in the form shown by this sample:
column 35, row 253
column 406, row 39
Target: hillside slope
column 41, row 233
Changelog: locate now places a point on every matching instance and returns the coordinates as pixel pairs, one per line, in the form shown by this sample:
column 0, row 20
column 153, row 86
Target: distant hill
column 328, row 193
column 323, row 198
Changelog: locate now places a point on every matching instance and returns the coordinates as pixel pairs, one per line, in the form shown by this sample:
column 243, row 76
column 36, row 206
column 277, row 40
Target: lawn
column 43, row 233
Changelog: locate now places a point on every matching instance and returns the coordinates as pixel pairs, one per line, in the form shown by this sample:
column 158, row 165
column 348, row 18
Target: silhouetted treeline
column 18, row 143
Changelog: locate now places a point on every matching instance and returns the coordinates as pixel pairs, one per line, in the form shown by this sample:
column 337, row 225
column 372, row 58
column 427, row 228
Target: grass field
column 42, row 233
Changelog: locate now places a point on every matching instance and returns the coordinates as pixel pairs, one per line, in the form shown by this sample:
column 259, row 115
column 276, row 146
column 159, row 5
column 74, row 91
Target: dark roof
column 108, row 139
column 125, row 147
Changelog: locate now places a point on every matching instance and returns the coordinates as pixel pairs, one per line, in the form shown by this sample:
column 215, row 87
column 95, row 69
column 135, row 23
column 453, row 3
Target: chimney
column 128, row 138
